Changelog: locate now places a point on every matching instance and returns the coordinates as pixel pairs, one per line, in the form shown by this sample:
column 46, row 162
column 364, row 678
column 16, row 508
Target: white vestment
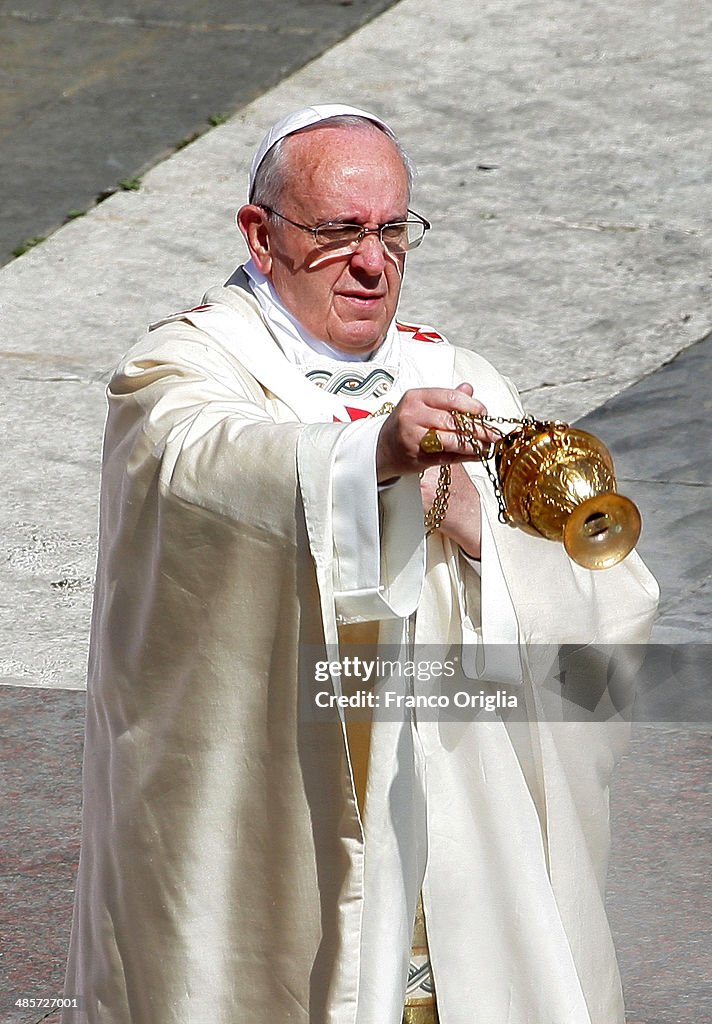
column 224, row 874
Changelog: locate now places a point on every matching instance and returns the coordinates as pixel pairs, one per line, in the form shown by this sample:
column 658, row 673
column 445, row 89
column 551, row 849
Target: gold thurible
column 559, row 482
column 556, row 481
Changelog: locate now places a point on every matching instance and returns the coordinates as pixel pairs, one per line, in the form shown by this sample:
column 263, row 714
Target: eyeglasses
column 398, row 236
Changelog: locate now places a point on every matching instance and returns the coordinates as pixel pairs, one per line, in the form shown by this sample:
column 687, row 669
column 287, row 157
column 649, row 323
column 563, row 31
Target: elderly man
column 269, row 457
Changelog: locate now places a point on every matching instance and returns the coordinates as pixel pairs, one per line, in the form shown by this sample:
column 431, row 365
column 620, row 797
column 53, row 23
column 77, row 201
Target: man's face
column 339, row 174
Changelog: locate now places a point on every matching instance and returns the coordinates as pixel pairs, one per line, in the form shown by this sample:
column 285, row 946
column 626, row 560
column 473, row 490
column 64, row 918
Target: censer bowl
column 559, row 482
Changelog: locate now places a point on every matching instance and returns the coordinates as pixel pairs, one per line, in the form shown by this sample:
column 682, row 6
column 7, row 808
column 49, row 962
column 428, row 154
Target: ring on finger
column 430, row 442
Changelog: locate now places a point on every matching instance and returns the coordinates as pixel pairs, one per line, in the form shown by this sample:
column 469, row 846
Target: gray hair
column 271, row 177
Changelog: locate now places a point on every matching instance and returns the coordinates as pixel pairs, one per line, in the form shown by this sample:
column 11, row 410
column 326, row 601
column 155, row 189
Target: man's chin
column 358, row 343
column 360, row 335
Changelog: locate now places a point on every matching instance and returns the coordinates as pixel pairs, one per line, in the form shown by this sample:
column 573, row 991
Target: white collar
column 299, row 346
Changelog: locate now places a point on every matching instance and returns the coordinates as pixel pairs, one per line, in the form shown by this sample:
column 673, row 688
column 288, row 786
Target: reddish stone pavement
column 659, row 904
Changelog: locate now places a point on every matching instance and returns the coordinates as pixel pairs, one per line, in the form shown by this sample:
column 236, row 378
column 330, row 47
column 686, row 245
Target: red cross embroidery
column 354, row 414
column 418, row 334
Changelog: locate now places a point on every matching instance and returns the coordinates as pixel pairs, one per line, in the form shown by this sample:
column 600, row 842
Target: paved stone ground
column 42, row 733
column 93, row 92
column 563, row 155
column 660, row 430
column 658, row 890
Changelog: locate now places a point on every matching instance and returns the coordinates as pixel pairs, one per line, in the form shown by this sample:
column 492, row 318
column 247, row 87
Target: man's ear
column 252, row 222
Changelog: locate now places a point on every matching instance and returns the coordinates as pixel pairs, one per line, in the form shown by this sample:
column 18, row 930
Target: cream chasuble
column 225, row 876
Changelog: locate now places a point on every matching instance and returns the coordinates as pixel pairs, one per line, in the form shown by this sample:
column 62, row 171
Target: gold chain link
column 435, row 516
column 465, row 428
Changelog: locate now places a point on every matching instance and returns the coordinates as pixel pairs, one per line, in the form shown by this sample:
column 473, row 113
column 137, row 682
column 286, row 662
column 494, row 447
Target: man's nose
column 370, row 254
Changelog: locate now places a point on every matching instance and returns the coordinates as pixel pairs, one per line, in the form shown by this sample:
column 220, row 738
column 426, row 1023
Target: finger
column 457, row 447
column 424, row 409
column 457, row 399
column 456, row 436
column 418, row 402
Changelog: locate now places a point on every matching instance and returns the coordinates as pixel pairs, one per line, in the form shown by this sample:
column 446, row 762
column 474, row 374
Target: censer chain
column 464, row 425
column 435, row 515
column 465, row 428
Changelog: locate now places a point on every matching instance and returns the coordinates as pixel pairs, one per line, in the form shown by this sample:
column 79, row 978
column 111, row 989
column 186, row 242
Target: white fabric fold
column 378, row 570
column 360, row 552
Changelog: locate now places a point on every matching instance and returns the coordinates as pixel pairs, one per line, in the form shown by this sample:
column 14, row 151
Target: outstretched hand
column 399, row 452
column 418, row 411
